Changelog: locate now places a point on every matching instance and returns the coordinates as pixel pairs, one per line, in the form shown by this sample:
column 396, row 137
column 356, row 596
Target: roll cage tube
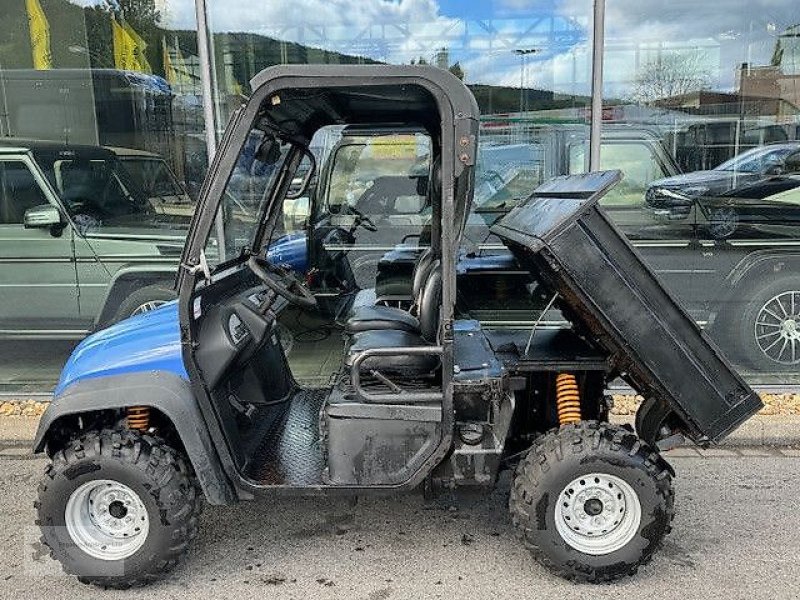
column 457, row 128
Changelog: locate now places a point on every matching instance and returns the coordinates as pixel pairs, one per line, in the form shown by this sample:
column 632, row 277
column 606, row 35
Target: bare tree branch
column 669, row 75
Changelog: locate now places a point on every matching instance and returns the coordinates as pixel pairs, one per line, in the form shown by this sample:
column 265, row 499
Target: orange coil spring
column 138, row 417
column 568, row 399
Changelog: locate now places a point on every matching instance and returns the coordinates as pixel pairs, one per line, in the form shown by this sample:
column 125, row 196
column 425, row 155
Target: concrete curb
column 761, row 430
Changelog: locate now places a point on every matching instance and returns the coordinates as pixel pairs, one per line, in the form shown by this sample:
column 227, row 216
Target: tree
column 456, row 70
column 669, row 75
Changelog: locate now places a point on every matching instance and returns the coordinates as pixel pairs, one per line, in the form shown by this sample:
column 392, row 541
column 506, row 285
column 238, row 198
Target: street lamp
column 93, row 56
column 523, row 53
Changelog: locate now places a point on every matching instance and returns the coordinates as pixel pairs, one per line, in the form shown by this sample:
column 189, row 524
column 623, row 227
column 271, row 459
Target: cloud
column 393, row 30
column 726, row 32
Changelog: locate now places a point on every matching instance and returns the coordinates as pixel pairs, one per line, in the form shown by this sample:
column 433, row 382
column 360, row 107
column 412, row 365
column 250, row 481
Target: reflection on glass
column 247, row 191
column 717, row 86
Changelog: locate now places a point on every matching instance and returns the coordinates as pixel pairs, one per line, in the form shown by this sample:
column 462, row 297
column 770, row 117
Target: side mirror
column 268, row 151
column 44, row 216
column 296, row 212
column 774, row 169
column 297, row 190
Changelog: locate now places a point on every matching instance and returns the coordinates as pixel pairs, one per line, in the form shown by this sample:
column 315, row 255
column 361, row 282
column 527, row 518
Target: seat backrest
column 421, row 271
column 430, row 304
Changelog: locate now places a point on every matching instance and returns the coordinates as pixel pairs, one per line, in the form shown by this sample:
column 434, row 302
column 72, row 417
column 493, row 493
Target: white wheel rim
column 598, row 513
column 777, row 328
column 147, row 307
column 107, row 520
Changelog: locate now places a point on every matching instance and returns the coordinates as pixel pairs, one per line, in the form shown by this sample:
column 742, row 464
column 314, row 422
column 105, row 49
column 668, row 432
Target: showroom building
column 110, row 110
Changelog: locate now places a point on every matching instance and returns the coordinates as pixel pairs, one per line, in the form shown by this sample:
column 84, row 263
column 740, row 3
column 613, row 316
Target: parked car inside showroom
column 81, row 243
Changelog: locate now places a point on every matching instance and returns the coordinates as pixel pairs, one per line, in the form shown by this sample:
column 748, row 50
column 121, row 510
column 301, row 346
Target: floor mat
column 290, row 451
column 313, row 346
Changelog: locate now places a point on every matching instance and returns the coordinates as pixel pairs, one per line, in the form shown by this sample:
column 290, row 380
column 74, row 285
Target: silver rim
column 723, row 222
column 147, row 306
column 777, row 328
column 107, row 520
column 598, row 513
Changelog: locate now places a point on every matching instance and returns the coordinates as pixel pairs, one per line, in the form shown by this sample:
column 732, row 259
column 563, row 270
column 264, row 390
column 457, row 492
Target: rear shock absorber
column 568, row 399
column 138, row 417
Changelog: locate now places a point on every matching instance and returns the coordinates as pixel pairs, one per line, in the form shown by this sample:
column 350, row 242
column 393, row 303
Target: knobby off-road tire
column 94, row 484
column 575, row 474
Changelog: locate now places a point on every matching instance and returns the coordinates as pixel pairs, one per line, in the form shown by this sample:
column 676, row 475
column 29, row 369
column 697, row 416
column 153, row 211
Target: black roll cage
column 458, row 112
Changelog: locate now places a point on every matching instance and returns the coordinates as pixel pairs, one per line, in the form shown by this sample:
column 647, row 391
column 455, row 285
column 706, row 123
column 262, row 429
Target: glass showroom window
column 101, row 156
column 528, row 65
column 700, row 112
column 712, row 95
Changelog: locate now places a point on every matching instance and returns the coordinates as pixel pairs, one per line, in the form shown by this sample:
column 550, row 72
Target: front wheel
column 117, row 508
column 592, row 502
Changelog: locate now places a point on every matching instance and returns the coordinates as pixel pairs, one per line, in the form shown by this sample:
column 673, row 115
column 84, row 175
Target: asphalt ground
column 735, row 536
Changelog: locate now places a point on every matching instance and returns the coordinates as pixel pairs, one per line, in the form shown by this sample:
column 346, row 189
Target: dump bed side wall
column 608, row 290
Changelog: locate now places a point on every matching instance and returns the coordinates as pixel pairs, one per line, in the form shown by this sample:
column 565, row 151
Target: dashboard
column 231, row 330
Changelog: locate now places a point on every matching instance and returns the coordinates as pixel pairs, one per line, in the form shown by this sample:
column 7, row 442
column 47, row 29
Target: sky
column 482, row 34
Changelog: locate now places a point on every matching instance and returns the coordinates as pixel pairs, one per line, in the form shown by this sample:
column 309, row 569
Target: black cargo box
column 568, row 243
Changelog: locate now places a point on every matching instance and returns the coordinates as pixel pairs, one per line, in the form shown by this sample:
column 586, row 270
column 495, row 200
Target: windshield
column 383, row 169
column 99, row 193
column 154, row 177
column 506, row 174
column 245, row 196
column 757, row 160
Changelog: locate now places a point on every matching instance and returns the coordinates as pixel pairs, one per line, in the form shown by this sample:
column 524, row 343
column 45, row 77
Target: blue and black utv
column 253, row 383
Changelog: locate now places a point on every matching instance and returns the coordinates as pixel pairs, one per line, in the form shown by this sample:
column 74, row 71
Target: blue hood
column 290, row 250
column 147, row 342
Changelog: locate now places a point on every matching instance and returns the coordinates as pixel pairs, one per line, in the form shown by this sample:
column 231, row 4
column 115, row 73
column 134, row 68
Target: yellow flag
column 129, row 48
column 174, row 66
column 139, row 47
column 40, row 35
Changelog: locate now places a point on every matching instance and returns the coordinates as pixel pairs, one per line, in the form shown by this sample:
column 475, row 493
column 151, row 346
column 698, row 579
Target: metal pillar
column 598, row 38
column 207, row 88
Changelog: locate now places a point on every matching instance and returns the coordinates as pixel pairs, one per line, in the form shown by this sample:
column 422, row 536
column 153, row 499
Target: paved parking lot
column 735, row 537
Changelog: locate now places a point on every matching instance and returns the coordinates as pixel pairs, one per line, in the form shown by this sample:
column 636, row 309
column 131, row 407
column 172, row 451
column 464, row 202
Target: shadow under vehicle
column 157, row 411
column 76, row 227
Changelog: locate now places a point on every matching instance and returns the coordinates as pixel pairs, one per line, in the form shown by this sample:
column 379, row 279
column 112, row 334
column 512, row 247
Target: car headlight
column 660, row 196
column 698, row 190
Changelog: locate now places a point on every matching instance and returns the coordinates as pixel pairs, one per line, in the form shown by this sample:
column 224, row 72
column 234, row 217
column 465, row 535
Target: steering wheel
column 282, row 281
column 362, row 220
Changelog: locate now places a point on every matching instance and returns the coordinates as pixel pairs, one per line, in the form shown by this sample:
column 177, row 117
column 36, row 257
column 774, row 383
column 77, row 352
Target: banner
column 129, row 48
column 175, row 70
column 40, row 35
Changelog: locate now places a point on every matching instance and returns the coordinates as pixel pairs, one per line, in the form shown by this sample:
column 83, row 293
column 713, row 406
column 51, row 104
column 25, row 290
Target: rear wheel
column 118, row 508
column 592, row 502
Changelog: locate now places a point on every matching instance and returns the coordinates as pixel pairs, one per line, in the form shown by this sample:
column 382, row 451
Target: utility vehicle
column 198, row 398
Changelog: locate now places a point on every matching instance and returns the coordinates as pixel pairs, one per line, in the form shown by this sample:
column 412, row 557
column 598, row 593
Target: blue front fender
column 147, row 342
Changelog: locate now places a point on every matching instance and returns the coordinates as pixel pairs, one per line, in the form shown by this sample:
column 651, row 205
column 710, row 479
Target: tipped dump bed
column 565, row 239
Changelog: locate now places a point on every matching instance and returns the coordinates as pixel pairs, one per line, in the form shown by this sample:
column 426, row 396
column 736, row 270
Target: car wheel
column 722, row 222
column 143, row 300
column 592, row 502
column 117, row 508
column 769, row 334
